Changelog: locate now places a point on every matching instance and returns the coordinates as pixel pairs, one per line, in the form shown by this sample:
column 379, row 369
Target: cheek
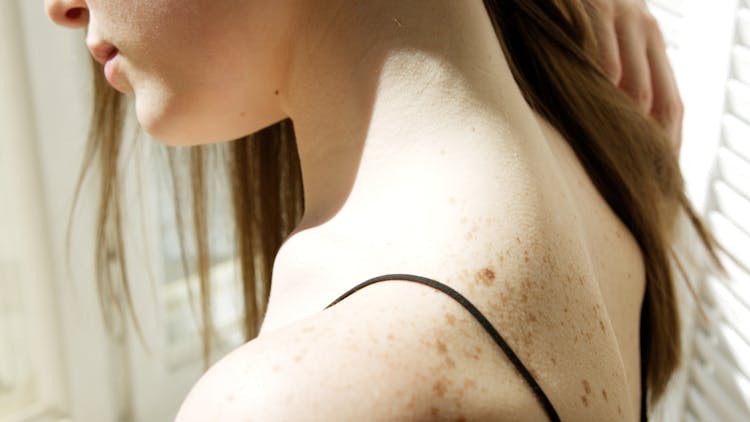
column 202, row 82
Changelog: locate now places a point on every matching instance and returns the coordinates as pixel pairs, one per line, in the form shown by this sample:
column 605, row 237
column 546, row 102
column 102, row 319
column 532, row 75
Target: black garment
column 486, row 325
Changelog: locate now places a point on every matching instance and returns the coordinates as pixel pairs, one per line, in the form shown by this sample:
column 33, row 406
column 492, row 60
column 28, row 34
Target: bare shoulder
column 401, row 351
column 369, row 358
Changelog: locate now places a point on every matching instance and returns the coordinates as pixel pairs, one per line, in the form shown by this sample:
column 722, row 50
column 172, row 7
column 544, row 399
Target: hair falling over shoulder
column 550, row 48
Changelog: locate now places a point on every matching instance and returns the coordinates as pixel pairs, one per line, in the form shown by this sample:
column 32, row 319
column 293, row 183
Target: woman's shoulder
column 403, row 351
column 369, row 358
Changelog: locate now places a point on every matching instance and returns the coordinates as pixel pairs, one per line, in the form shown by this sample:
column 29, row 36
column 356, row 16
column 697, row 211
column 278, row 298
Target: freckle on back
column 485, row 276
column 586, row 386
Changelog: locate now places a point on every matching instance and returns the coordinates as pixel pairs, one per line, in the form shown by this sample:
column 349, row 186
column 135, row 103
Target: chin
column 179, row 123
column 170, row 127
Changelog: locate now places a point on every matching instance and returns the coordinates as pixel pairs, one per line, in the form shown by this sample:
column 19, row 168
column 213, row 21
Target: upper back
column 616, row 260
column 562, row 281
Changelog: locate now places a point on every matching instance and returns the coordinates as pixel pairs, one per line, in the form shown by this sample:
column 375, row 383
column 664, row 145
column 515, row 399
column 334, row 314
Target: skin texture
column 200, row 71
column 407, row 120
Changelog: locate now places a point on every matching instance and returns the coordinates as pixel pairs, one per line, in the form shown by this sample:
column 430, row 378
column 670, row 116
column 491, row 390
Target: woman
column 475, row 147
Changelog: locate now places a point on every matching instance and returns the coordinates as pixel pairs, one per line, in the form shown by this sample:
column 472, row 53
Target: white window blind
column 719, row 384
column 709, row 46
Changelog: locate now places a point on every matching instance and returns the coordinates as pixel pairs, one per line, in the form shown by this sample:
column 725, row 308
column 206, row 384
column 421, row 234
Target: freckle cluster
column 485, row 276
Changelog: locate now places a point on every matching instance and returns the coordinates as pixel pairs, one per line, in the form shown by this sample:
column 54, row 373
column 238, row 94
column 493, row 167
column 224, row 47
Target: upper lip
column 102, row 51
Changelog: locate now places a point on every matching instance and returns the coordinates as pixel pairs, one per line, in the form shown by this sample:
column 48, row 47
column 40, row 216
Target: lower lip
column 112, row 71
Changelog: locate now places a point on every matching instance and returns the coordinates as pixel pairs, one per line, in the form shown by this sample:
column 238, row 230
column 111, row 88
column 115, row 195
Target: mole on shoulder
column 586, row 386
column 474, row 355
column 439, row 387
column 450, row 363
column 441, row 346
column 486, row 276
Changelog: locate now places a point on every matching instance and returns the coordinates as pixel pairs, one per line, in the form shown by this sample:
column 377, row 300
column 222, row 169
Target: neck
column 399, row 110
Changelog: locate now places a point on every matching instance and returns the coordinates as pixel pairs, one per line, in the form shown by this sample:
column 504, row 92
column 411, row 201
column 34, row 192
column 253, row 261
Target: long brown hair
column 550, row 48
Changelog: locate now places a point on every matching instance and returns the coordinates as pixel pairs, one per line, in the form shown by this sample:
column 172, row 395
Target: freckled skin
column 439, row 387
column 485, row 276
column 475, row 354
column 604, row 394
column 441, row 347
column 514, row 301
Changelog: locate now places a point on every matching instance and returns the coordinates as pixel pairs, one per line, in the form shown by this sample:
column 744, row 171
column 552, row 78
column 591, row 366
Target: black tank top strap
column 644, row 370
column 482, row 320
